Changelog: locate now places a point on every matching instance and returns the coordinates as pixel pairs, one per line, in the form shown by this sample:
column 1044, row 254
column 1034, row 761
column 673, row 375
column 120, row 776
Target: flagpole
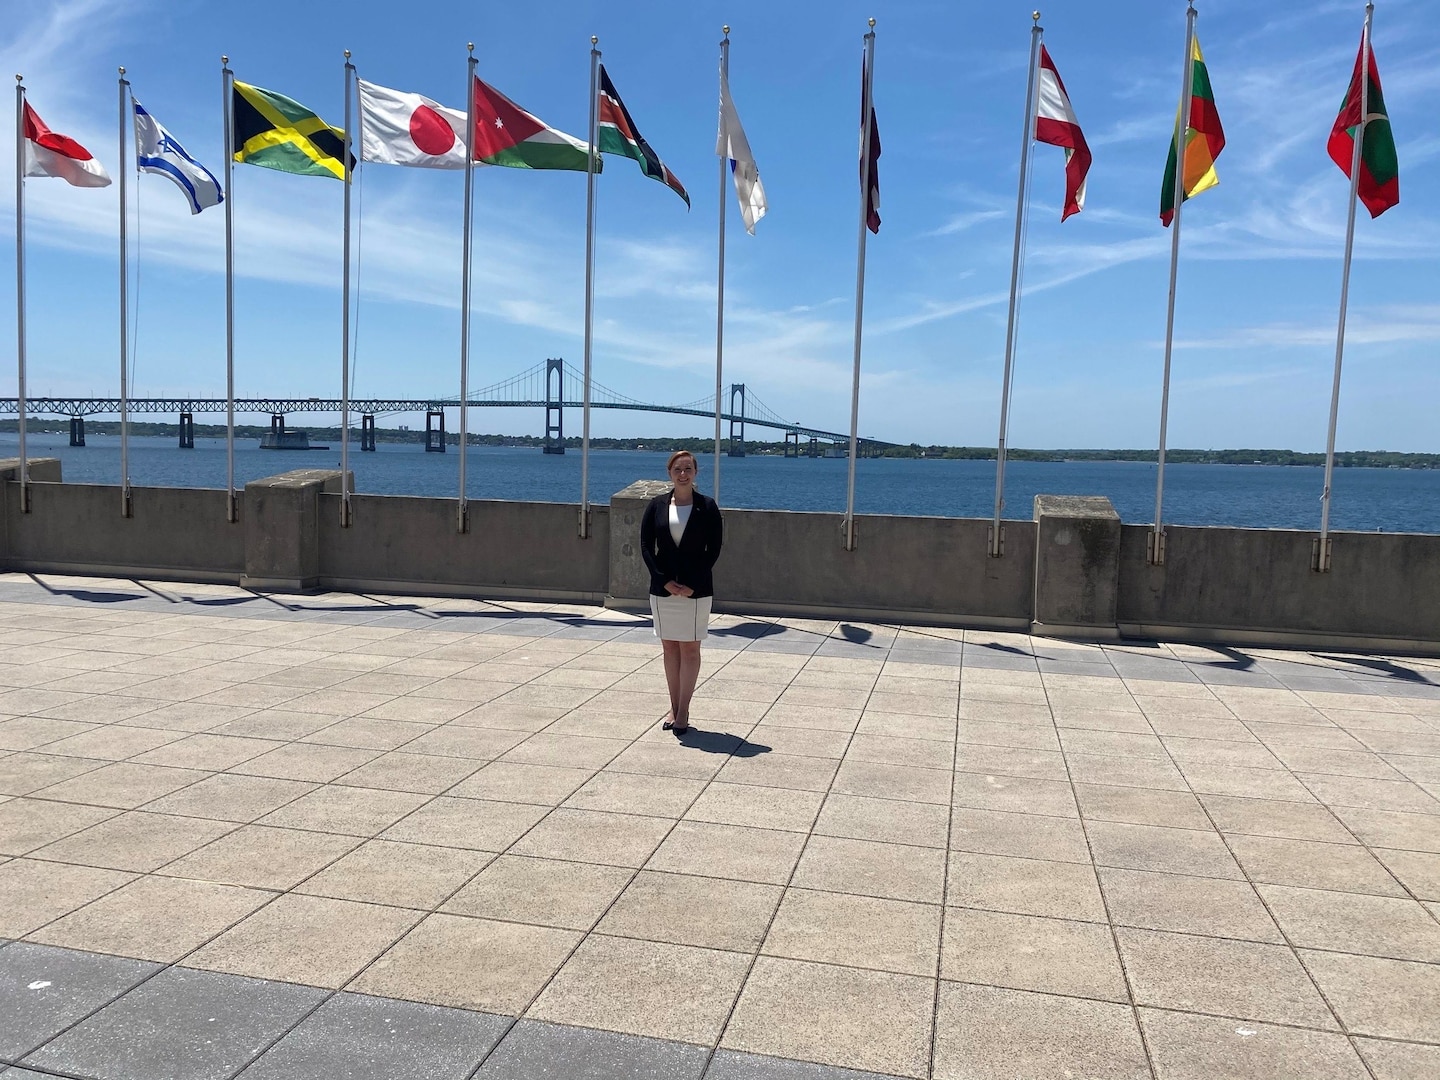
column 848, row 529
column 20, row 286
column 124, row 320
column 345, row 318
column 227, row 82
column 1321, row 560
column 720, row 279
column 997, row 543
column 589, row 287
column 1156, row 545
column 462, row 510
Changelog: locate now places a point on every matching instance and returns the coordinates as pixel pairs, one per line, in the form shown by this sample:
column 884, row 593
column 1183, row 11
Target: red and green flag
column 505, row 134
column 617, row 134
column 1197, row 126
column 1379, row 186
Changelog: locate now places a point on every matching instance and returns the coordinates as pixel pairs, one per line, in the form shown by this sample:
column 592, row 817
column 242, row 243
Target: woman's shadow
column 720, row 742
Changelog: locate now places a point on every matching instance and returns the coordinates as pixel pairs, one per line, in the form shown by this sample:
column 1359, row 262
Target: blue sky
column 1260, row 265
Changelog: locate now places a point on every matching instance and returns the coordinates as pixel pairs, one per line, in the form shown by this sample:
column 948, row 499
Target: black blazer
column 691, row 561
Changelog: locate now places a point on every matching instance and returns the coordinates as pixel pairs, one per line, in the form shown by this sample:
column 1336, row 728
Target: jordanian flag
column 1199, row 125
column 276, row 132
column 619, row 135
column 505, row 134
column 1379, row 186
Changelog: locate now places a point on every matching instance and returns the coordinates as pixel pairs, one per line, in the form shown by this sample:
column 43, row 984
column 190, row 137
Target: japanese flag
column 397, row 128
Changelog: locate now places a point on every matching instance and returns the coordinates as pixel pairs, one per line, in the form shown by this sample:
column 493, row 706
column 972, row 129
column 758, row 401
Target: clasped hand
column 674, row 588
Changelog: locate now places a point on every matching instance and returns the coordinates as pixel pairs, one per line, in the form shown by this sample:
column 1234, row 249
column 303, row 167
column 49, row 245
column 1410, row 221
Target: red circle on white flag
column 431, row 131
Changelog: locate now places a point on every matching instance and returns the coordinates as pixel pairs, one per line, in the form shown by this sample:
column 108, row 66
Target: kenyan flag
column 505, row 134
column 1379, row 186
column 618, row 135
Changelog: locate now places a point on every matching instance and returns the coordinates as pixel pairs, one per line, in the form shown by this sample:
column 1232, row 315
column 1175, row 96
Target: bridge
column 553, row 386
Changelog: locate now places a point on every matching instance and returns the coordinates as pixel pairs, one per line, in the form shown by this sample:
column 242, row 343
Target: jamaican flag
column 276, row 132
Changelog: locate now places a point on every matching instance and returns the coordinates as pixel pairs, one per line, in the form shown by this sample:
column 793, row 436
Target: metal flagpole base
column 345, row 518
column 1320, row 555
column 997, row 542
column 232, row 509
column 584, row 523
column 848, row 534
column 462, row 519
column 1155, row 547
column 127, row 509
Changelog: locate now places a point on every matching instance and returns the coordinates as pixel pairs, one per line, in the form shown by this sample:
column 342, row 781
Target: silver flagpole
column 20, row 286
column 720, row 286
column 848, row 530
column 124, row 319
column 1156, row 545
column 345, row 318
column 227, row 81
column 589, row 287
column 1321, row 561
column 997, row 546
column 462, row 510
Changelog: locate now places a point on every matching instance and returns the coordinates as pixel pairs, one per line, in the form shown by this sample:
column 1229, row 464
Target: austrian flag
column 48, row 153
column 1055, row 124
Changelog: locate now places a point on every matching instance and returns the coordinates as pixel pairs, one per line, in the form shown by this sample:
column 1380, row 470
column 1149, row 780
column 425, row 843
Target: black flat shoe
column 669, row 726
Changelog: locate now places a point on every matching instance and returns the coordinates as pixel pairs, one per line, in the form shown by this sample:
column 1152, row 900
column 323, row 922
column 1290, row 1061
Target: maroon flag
column 872, row 196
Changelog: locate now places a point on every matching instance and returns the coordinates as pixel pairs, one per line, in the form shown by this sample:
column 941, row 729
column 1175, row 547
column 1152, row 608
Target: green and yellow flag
column 276, row 132
column 1198, row 128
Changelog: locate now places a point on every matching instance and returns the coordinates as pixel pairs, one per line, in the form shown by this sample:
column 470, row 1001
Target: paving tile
column 22, row 773
column 729, row 851
column 349, row 811
column 403, row 771
column 32, row 893
column 756, row 807
column 632, row 793
column 124, row 784
column 569, row 751
column 1187, row 905
column 230, row 797
column 134, row 841
column 1418, row 871
column 1246, row 980
column 306, row 761
column 467, row 823
column 153, row 918
column 1023, row 952
column 469, row 963
column 886, row 820
column 796, row 742
column 1394, row 999
column 1310, row 759
column 1125, row 772
column 780, row 770
column 857, row 931
column 534, row 1048
column 504, row 781
column 1187, row 1047
column 1399, row 928
column 545, row 892
column 1022, row 736
column 207, row 751
column 598, row 987
column 881, row 781
column 867, row 868
column 43, row 990
column 213, row 1023
column 1028, row 836
column 938, row 728
column 730, row 1065
column 1151, row 847
column 865, row 1020
column 474, row 744
column 1391, row 829
column 1141, row 806
column 26, row 824
column 1399, row 1061
column 358, row 1037
column 400, row 875
column 1395, row 795
column 687, row 910
column 262, row 857
column 594, row 836
column 1024, row 886
column 1269, row 817
column 273, row 723
column 1311, row 865
column 695, row 759
column 305, row 939
column 988, row 1033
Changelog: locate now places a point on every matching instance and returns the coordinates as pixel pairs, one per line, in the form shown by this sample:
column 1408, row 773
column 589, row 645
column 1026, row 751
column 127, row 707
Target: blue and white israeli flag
column 156, row 151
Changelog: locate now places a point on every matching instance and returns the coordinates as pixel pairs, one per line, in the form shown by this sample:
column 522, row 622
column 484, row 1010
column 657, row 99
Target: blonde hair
column 676, row 456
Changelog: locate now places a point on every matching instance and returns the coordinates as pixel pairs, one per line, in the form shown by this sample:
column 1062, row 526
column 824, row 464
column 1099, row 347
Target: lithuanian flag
column 276, row 132
column 1198, row 125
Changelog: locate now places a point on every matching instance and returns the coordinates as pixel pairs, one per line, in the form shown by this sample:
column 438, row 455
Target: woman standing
column 680, row 539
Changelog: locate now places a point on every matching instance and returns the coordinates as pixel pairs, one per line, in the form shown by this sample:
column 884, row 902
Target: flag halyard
column 1379, row 187
column 1198, row 129
column 617, row 134
column 1056, row 125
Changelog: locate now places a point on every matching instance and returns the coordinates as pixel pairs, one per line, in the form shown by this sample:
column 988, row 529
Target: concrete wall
column 401, row 544
column 1217, row 581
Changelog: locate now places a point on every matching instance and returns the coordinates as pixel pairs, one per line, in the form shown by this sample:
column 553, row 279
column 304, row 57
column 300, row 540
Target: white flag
column 156, row 151
column 398, row 128
column 732, row 144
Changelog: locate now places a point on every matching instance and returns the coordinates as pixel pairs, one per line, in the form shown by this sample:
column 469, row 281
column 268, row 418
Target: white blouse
column 679, row 515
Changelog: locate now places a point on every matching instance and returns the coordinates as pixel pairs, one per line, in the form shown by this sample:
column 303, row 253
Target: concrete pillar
column 282, row 529
column 45, row 470
column 629, row 587
column 1077, row 567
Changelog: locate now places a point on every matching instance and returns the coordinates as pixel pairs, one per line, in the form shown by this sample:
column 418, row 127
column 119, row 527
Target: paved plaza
column 345, row 836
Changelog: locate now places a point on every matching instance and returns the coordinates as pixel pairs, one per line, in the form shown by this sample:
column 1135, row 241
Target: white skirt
column 680, row 618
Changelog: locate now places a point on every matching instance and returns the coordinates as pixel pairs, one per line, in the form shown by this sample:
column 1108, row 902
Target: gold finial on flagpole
column 726, row 29
column 122, row 70
column 1035, row 15
column 594, row 40
column 224, row 59
column 470, row 46
column 347, row 54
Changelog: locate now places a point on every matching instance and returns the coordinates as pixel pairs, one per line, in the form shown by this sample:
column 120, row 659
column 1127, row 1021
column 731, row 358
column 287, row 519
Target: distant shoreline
column 1361, row 459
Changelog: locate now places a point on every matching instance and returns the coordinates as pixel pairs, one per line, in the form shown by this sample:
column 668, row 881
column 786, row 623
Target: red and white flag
column 1056, row 125
column 48, row 153
column 399, row 128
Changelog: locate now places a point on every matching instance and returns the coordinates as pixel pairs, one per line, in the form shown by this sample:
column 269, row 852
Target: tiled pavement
column 346, row 836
